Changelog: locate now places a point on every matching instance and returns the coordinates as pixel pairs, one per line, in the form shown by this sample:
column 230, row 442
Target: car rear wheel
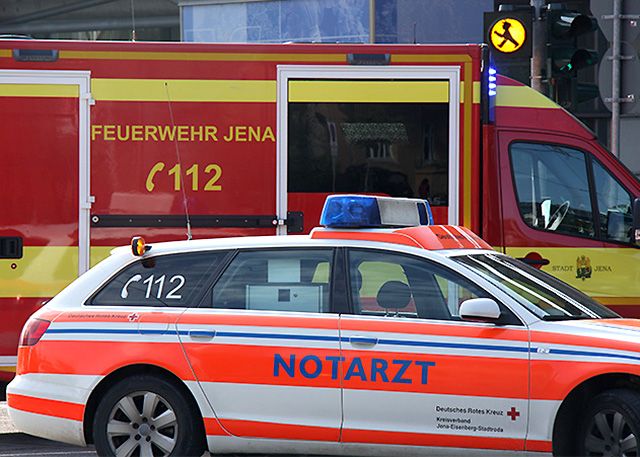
column 611, row 426
column 146, row 416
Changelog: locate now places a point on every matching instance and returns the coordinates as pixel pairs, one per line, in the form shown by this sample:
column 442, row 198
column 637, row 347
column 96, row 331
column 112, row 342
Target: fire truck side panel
column 137, row 159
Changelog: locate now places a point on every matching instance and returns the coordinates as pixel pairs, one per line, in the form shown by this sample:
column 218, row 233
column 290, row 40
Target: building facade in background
column 331, row 21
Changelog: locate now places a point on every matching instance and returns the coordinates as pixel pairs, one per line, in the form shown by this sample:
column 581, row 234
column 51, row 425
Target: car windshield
column 541, row 293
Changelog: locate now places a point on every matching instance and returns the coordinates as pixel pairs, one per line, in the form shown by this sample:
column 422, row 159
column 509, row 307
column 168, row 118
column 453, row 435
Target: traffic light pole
column 615, row 80
column 538, row 45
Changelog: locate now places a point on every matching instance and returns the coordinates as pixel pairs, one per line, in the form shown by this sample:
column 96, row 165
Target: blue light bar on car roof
column 351, row 211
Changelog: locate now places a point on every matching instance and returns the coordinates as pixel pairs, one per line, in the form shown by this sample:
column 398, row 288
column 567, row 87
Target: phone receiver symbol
column 124, row 293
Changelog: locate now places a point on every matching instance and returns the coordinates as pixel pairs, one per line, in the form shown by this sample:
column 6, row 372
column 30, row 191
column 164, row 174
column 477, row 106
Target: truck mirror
column 635, row 230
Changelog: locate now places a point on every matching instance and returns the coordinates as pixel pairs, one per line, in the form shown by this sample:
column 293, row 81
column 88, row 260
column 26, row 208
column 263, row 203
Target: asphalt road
column 19, row 444
column 16, row 444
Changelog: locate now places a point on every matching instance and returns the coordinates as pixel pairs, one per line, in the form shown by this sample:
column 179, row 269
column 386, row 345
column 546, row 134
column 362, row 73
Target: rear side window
column 175, row 280
column 276, row 280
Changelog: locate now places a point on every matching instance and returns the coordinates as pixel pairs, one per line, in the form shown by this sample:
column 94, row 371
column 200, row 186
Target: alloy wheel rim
column 142, row 424
column 610, row 435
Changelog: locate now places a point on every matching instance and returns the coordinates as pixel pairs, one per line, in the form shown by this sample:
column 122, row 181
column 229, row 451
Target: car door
column 264, row 346
column 414, row 373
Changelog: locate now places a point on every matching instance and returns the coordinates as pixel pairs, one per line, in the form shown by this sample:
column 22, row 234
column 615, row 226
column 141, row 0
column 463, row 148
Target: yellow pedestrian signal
column 507, row 35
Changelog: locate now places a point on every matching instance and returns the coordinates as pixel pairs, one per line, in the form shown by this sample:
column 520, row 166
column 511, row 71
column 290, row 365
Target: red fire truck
column 105, row 140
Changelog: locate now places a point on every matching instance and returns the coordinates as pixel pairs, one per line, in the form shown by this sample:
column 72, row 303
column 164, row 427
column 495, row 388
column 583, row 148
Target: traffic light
column 565, row 57
column 563, row 29
column 508, row 34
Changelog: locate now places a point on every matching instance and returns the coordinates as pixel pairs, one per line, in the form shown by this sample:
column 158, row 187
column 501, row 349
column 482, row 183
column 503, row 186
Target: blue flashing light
column 354, row 211
column 492, row 86
column 350, row 211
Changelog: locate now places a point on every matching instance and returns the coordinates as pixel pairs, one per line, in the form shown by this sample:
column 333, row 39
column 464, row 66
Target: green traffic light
column 563, row 27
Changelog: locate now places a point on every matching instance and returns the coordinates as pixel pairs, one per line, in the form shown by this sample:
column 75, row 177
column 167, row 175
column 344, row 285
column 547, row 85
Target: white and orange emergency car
column 374, row 334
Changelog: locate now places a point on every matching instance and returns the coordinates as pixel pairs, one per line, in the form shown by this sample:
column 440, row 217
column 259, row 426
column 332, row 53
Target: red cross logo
column 133, row 317
column 513, row 414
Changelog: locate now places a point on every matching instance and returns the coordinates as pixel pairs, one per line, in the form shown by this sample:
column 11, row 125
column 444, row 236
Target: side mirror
column 635, row 228
column 480, row 310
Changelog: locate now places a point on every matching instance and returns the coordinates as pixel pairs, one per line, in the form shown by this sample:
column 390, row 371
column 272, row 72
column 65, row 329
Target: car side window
column 175, row 280
column 396, row 285
column 552, row 188
column 614, row 206
column 276, row 280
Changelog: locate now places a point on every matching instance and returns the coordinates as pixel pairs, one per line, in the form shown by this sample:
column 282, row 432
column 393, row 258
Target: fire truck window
column 394, row 285
column 279, row 280
column 552, row 188
column 397, row 149
column 614, row 206
column 176, row 280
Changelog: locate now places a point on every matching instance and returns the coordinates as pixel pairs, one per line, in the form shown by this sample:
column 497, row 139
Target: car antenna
column 133, row 22
column 175, row 142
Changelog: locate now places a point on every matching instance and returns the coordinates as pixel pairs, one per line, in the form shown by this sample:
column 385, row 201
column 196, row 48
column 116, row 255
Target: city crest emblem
column 583, row 267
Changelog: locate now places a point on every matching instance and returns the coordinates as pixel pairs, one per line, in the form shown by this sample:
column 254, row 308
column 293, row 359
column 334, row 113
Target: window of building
column 276, row 21
column 276, row 280
column 176, row 280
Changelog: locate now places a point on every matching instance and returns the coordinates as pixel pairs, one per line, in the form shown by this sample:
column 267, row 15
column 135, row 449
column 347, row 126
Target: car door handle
column 201, row 334
column 363, row 341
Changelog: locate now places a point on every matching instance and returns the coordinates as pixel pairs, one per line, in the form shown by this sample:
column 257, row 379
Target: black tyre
column 611, row 425
column 146, row 416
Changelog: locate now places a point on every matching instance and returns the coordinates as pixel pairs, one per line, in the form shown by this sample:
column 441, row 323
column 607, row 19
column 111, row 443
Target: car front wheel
column 145, row 416
column 611, row 426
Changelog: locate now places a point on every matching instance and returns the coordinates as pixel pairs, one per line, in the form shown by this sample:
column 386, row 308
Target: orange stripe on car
column 56, row 408
column 254, row 429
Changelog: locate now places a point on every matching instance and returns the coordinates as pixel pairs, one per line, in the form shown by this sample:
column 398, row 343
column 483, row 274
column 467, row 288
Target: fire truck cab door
column 386, row 130
column 565, row 212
